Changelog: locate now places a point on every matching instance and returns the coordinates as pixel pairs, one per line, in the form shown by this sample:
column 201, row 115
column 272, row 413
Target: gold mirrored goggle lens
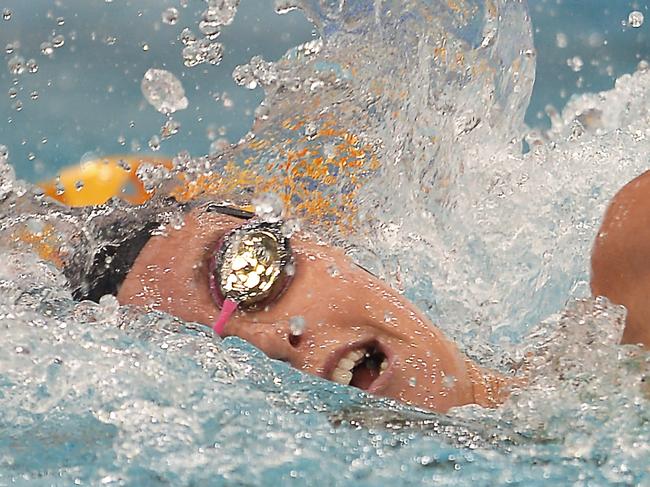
column 251, row 264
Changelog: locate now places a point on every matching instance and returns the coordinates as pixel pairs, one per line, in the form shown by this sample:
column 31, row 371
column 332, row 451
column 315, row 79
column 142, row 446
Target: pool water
column 488, row 235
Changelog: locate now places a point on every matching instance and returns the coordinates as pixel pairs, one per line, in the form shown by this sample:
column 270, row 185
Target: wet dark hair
column 114, row 238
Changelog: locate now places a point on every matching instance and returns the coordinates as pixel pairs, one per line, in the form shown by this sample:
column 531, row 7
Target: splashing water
column 415, row 110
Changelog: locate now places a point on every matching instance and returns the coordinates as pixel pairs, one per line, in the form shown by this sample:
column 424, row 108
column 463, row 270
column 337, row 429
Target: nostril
column 296, row 329
column 295, row 340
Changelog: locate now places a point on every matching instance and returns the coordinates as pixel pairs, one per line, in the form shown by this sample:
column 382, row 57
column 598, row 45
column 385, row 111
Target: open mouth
column 361, row 367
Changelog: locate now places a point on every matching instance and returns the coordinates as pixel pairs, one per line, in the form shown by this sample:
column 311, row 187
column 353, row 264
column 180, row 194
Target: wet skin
column 620, row 261
column 344, row 309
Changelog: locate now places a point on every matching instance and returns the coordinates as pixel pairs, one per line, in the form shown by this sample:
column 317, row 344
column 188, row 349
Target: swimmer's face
column 356, row 331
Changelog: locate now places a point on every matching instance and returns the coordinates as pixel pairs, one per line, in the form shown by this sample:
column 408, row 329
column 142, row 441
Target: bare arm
column 620, row 260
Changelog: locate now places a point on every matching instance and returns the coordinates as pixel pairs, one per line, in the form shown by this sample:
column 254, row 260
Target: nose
column 275, row 340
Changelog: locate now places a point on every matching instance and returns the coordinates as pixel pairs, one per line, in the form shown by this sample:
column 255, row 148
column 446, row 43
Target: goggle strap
column 227, row 309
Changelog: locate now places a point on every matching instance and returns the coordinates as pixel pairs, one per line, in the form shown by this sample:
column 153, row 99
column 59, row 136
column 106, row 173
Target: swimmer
column 317, row 311
column 308, row 304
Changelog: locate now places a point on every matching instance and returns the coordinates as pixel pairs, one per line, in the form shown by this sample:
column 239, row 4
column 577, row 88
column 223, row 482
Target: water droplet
column 32, row 66
column 188, row 37
column 209, row 28
column 4, row 154
column 311, row 130
column 297, row 325
column 124, row 165
column 154, row 143
column 333, row 270
column 262, row 112
column 170, row 16
column 219, row 146
column 635, row 19
column 268, row 207
column 284, row 6
column 290, row 227
column 6, row 14
column 58, row 41
column 47, row 49
column 16, row 65
column 163, row 91
column 170, row 128
column 448, row 381
column 575, row 63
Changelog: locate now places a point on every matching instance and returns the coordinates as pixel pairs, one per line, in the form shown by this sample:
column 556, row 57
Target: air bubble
column 635, row 19
column 18, row 105
column 34, row 95
column 561, row 40
column 170, row 16
column 60, row 21
column 6, row 14
column 78, row 185
column 13, row 92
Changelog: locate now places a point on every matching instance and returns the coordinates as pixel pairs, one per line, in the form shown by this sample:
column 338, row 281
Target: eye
column 249, row 265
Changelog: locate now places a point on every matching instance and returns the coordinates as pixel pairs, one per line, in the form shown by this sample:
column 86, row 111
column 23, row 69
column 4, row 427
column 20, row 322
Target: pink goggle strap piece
column 227, row 309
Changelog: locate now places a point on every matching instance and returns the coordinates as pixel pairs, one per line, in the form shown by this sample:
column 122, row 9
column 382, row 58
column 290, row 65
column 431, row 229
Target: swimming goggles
column 250, row 266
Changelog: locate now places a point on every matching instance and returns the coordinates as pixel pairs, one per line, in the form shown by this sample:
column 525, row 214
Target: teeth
column 346, row 364
column 342, row 376
column 343, row 371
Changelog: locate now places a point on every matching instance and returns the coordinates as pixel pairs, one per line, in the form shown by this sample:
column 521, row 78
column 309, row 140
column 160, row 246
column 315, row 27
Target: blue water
column 96, row 395
column 78, row 117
